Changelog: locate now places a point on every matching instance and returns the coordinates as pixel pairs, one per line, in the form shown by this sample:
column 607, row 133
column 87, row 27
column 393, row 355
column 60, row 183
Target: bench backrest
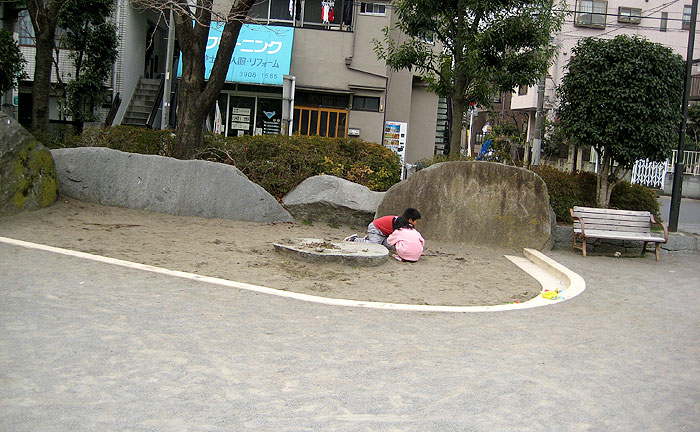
column 613, row 220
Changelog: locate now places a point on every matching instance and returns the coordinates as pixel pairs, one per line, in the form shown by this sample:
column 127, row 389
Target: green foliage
column 553, row 139
column 623, row 97
column 489, row 46
column 123, row 138
column 11, row 62
column 91, row 37
column 567, row 190
column 693, row 127
column 278, row 163
column 507, row 139
column 628, row 196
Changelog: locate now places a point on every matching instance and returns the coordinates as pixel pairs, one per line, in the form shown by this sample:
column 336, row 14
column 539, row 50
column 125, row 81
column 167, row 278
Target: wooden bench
column 590, row 222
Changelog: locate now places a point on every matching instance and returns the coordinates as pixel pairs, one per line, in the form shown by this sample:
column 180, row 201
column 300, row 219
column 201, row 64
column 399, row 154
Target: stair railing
column 116, row 102
column 156, row 104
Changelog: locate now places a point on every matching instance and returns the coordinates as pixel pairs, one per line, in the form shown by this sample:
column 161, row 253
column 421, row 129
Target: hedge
column 569, row 189
column 278, row 163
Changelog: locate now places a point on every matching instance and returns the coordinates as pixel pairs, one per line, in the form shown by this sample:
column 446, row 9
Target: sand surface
column 449, row 274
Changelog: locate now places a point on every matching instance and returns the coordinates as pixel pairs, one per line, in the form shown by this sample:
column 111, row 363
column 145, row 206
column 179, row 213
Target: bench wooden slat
column 610, row 211
column 618, row 228
column 590, row 222
column 617, row 222
column 603, row 217
column 618, row 235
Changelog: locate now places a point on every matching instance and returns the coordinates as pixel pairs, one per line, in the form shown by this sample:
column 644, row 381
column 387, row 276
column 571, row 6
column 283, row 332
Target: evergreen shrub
column 131, row 139
column 278, row 163
column 567, row 190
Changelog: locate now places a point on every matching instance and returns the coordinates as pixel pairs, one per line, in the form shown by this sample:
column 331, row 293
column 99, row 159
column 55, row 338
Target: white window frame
column 375, row 6
column 629, row 15
column 687, row 14
column 590, row 13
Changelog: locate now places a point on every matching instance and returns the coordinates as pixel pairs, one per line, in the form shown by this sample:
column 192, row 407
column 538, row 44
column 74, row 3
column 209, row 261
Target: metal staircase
column 145, row 97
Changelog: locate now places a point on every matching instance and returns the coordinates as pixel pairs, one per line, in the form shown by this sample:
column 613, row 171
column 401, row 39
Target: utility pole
column 678, row 170
column 539, row 122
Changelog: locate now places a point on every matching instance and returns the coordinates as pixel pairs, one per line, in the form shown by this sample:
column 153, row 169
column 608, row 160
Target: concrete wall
column 369, row 123
column 690, row 188
column 421, row 126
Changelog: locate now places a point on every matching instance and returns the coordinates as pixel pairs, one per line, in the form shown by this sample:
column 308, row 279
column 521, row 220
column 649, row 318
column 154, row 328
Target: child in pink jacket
column 407, row 240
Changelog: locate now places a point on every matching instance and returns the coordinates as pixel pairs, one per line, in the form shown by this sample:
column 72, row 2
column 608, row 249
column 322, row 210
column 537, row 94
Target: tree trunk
column 603, row 186
column 458, row 107
column 44, row 21
column 197, row 96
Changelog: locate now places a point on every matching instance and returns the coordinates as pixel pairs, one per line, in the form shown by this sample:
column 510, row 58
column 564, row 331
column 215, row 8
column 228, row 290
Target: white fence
column 653, row 174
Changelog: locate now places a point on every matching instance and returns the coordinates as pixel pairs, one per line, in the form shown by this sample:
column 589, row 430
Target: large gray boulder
column 481, row 203
column 332, row 199
column 27, row 171
column 165, row 185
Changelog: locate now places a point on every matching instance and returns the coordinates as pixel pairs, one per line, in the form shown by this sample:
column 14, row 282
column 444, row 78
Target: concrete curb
column 550, row 274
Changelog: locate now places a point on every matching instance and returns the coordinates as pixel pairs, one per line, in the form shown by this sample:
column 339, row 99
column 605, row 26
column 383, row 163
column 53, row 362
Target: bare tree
column 196, row 94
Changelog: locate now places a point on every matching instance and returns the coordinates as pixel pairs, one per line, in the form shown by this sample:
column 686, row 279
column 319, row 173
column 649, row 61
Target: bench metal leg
column 583, row 244
column 656, row 249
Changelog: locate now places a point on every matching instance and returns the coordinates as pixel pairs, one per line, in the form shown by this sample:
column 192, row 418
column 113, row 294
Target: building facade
column 658, row 21
column 340, row 87
column 327, row 46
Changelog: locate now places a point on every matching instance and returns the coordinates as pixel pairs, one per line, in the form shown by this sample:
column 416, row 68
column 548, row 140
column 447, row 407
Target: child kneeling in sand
column 407, row 241
column 379, row 229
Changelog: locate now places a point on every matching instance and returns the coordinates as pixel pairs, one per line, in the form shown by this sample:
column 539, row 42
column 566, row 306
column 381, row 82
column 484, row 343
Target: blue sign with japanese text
column 262, row 55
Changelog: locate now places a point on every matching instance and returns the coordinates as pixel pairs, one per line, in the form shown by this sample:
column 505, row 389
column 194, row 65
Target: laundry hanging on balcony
column 327, row 13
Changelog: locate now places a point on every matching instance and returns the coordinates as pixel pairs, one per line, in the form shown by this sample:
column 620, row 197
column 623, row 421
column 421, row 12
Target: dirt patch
column 449, row 274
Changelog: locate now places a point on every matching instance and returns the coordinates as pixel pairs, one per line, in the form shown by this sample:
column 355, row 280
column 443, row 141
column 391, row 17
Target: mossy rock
column 27, row 172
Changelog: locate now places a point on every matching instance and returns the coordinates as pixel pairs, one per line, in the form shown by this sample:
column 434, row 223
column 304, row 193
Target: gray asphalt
column 688, row 216
column 86, row 346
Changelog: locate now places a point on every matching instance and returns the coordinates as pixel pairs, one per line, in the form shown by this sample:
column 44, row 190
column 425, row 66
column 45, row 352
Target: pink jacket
column 409, row 243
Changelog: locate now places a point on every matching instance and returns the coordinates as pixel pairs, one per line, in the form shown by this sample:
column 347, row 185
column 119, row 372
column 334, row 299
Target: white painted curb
column 574, row 280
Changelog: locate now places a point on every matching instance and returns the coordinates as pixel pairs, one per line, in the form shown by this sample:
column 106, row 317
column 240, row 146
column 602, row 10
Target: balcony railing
column 691, row 162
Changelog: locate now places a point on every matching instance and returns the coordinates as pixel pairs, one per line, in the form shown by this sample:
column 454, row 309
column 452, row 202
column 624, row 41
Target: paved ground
column 688, row 217
column 89, row 346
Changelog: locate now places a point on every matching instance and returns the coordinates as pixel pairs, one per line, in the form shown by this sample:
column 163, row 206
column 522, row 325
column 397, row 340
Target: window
column 373, row 9
column 331, row 14
column 664, row 21
column 629, row 15
column 320, row 121
column 591, row 13
column 323, row 100
column 522, row 90
column 364, row 103
column 26, row 30
column 687, row 9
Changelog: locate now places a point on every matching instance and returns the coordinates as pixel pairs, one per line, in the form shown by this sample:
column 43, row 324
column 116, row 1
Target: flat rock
column 27, row 172
column 332, row 199
column 482, row 203
column 319, row 250
column 166, row 185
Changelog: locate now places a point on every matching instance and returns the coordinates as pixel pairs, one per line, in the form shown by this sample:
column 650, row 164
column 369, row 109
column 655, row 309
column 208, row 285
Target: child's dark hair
column 411, row 213
column 402, row 221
